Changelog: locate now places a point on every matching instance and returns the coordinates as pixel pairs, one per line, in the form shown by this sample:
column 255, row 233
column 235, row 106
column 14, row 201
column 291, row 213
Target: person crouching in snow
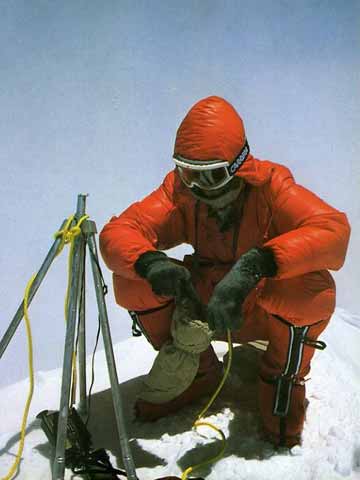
column 262, row 249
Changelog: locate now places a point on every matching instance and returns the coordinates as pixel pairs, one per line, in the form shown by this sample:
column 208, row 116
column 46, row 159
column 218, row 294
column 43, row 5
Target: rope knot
column 73, row 232
column 68, row 234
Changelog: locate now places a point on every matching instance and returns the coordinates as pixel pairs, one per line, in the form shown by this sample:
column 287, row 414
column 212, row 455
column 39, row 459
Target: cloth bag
column 177, row 362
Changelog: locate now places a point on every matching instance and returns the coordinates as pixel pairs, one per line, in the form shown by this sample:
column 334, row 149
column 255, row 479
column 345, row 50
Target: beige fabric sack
column 177, row 362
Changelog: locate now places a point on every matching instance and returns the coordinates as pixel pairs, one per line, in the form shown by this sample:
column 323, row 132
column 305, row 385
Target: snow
column 331, row 438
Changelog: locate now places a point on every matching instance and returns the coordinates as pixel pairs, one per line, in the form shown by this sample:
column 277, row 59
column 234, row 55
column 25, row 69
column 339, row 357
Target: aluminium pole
column 82, row 333
column 129, row 465
column 36, row 284
column 59, row 461
column 82, row 328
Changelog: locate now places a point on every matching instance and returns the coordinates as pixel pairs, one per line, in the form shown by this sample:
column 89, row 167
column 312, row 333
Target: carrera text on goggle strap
column 240, row 159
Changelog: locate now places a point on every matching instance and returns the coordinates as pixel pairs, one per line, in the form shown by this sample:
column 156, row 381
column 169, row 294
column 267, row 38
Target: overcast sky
column 92, row 93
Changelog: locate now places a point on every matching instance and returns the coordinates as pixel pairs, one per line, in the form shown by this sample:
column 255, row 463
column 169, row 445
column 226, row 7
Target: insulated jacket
column 307, row 236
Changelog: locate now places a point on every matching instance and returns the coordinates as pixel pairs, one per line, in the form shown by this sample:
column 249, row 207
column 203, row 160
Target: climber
column 263, row 246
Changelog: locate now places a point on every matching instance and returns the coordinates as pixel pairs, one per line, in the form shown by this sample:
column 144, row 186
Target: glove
column 164, row 275
column 224, row 308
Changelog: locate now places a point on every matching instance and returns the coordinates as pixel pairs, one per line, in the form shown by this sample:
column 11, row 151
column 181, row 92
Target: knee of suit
column 136, row 294
column 304, row 300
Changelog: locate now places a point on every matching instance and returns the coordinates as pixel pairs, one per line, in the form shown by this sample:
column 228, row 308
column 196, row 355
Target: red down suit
column 307, row 236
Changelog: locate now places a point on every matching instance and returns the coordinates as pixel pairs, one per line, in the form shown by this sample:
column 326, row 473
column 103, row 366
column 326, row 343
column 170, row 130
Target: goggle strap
column 239, row 160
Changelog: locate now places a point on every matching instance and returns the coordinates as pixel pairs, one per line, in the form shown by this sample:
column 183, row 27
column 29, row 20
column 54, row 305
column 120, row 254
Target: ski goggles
column 209, row 175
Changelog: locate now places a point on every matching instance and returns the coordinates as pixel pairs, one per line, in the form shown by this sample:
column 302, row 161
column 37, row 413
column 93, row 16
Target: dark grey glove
column 224, row 308
column 164, row 275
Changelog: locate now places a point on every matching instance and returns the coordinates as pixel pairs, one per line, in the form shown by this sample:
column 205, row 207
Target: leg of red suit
column 281, row 403
column 281, row 385
column 289, row 314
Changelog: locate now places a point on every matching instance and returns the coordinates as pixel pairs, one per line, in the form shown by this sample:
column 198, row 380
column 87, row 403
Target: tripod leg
column 109, row 352
column 76, row 273
column 82, row 334
column 59, row 462
column 37, row 282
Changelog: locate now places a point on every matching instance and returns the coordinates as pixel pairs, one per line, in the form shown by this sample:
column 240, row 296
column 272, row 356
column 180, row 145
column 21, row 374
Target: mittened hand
column 166, row 278
column 224, row 309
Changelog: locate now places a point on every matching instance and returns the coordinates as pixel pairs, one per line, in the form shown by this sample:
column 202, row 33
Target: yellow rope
column 187, row 472
column 226, row 373
column 16, row 463
column 199, row 423
column 67, row 235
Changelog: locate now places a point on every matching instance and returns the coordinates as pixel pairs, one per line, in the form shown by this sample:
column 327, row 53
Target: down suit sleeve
column 154, row 223
column 310, row 235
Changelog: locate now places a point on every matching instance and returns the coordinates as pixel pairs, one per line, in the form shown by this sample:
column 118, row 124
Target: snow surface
column 331, row 439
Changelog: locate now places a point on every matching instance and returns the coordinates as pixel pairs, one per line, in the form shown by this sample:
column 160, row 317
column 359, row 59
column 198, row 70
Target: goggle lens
column 205, row 179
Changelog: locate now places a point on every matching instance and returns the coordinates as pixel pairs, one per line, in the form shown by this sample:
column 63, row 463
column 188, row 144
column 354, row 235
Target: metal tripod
column 76, row 306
